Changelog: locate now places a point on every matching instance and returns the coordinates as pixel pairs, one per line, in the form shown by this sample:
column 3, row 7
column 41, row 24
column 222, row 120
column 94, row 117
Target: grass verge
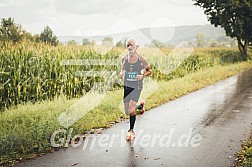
column 244, row 157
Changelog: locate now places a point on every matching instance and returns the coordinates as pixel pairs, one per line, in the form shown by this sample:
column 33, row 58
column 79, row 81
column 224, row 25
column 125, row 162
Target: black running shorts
column 131, row 94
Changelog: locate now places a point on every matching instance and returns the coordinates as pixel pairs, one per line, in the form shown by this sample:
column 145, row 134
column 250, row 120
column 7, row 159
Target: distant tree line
column 218, row 41
column 12, row 32
column 235, row 18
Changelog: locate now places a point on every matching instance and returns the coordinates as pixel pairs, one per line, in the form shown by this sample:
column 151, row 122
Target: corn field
column 34, row 72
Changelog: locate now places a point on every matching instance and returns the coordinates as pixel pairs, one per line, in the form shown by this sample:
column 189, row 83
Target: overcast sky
column 99, row 17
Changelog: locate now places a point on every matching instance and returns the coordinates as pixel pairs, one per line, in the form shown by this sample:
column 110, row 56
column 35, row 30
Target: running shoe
column 131, row 135
column 139, row 110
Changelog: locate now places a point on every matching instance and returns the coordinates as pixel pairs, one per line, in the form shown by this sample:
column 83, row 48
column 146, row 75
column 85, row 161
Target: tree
column 200, row 40
column 47, row 36
column 92, row 42
column 119, row 44
column 107, row 41
column 233, row 43
column 72, row 42
column 26, row 36
column 214, row 43
column 125, row 41
column 157, row 43
column 235, row 16
column 86, row 42
column 9, row 31
column 36, row 37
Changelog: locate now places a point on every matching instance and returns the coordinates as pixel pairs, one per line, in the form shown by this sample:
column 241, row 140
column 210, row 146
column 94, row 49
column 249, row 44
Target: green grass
column 26, row 129
column 245, row 155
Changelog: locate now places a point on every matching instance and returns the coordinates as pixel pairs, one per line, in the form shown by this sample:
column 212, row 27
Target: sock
column 132, row 121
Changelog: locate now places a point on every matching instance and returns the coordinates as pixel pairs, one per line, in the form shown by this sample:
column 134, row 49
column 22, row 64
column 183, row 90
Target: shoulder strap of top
column 140, row 58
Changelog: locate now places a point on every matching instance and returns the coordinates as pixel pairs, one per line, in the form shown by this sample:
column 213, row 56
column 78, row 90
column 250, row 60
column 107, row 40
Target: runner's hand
column 122, row 73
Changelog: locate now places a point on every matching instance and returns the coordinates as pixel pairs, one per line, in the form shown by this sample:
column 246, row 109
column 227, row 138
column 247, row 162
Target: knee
column 132, row 110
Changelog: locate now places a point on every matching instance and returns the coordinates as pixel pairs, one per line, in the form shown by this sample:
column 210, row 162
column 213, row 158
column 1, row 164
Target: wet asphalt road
column 204, row 129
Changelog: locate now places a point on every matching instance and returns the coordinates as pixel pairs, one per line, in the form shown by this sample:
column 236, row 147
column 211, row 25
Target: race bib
column 131, row 76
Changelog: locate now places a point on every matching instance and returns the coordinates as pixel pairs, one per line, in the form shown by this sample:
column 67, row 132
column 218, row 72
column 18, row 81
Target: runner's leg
column 132, row 105
column 126, row 108
column 126, row 99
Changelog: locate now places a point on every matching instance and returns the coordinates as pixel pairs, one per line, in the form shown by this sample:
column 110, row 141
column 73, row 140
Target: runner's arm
column 122, row 68
column 146, row 66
